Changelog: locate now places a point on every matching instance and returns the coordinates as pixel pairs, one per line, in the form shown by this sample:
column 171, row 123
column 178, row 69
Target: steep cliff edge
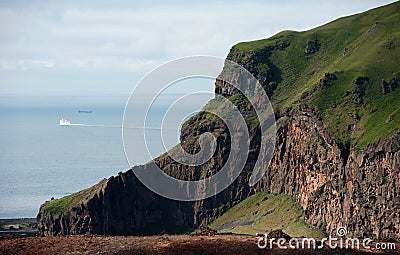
column 356, row 189
column 336, row 93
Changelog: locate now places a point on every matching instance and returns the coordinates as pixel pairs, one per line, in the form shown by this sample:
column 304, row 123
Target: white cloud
column 134, row 40
column 25, row 64
column 40, row 63
column 6, row 65
column 114, row 64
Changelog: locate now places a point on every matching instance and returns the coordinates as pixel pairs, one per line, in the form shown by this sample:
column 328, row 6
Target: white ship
column 64, row 122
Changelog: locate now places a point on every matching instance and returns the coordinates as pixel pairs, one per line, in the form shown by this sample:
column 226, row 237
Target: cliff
column 336, row 187
column 357, row 189
column 335, row 90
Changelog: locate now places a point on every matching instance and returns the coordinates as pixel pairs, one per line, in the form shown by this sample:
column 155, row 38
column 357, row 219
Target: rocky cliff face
column 336, row 186
column 122, row 205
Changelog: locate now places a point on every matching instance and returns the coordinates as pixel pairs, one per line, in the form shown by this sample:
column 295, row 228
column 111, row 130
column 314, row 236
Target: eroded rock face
column 358, row 189
column 123, row 206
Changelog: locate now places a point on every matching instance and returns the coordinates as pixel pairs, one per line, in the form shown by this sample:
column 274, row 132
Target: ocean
column 40, row 159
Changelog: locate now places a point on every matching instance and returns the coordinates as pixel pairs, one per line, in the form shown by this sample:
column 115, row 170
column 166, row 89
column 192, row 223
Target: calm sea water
column 40, row 159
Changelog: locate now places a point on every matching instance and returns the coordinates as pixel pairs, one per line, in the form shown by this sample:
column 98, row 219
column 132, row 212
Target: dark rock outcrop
column 205, row 231
column 277, row 234
column 312, row 47
column 389, row 87
column 327, row 78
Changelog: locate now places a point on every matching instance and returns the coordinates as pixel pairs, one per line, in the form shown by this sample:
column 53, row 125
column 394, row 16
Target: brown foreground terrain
column 164, row 244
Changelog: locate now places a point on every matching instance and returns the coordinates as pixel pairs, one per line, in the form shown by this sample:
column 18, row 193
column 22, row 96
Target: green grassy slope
column 362, row 45
column 65, row 203
column 269, row 212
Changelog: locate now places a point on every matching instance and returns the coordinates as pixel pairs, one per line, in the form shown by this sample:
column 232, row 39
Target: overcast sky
column 90, row 48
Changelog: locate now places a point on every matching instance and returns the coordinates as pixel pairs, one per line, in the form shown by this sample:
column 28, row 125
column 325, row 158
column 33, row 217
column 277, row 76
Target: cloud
column 113, row 63
column 40, row 63
column 86, row 39
column 25, row 64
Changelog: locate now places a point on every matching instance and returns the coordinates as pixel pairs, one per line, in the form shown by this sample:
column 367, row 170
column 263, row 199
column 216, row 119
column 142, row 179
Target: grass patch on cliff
column 218, row 106
column 268, row 212
column 63, row 204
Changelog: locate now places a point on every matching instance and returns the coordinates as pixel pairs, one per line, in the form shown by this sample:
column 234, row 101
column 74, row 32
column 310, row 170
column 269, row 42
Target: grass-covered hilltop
column 335, row 91
column 348, row 69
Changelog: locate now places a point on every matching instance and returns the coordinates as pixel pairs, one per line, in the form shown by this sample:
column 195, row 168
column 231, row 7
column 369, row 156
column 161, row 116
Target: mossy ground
column 269, row 212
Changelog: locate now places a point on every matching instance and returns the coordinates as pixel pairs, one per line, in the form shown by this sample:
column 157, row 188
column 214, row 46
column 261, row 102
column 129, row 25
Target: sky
column 106, row 47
